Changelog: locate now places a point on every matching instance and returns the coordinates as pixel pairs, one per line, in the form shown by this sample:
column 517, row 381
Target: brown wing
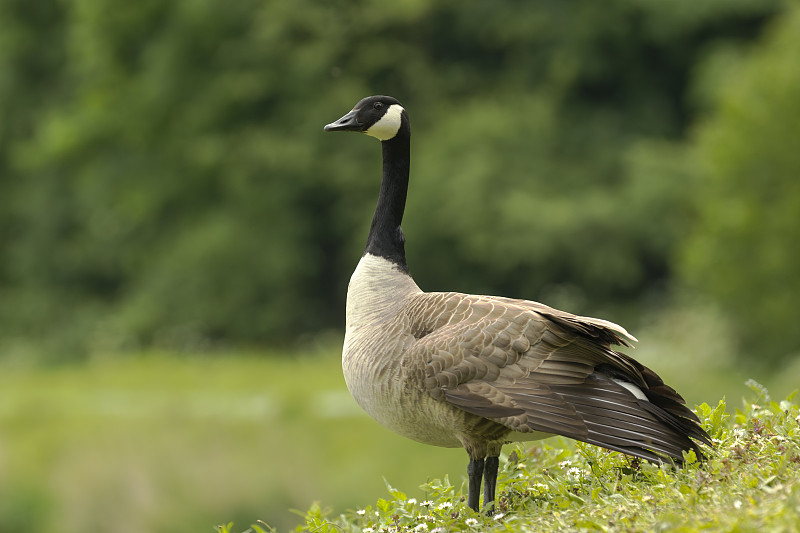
column 533, row 368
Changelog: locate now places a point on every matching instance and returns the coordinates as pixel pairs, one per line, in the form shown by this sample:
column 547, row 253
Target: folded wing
column 532, row 368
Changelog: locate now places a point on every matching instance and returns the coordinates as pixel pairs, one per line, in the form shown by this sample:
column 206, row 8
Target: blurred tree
column 164, row 178
column 743, row 252
column 559, row 174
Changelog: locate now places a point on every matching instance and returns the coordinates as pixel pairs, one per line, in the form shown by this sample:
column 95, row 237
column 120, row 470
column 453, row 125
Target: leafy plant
column 750, row 480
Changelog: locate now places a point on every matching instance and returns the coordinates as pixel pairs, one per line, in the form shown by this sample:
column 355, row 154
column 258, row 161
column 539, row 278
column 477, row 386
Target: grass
column 164, row 443
column 750, row 482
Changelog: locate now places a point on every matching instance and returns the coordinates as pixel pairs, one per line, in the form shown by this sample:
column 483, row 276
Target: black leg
column 474, row 473
column 490, row 482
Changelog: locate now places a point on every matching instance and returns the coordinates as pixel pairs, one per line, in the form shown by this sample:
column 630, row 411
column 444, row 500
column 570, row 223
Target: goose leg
column 474, row 473
column 490, row 482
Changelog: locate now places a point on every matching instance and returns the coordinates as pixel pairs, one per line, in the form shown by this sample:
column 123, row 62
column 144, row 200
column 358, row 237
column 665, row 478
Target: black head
column 381, row 117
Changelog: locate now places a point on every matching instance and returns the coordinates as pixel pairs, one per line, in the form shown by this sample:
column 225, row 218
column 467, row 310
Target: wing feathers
column 610, row 416
column 533, row 368
column 481, row 406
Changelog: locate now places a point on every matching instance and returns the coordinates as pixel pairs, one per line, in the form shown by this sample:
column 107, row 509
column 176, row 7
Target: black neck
column 385, row 236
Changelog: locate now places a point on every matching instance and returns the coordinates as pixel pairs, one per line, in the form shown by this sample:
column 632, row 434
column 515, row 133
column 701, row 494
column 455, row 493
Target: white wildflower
column 367, row 530
column 471, row 521
column 574, row 471
column 361, row 512
column 444, row 505
column 565, row 463
column 421, row 527
column 426, row 503
column 498, row 516
column 541, row 486
column 437, row 530
column 412, row 501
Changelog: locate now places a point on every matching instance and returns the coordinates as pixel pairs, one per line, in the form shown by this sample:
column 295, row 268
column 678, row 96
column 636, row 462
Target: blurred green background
column 177, row 233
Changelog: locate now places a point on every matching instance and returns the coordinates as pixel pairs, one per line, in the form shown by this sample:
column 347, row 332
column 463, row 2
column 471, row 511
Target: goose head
column 381, row 117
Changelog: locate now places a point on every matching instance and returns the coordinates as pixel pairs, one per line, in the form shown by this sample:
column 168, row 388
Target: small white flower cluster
column 541, row 487
column 471, row 521
column 383, row 529
column 574, row 471
column 424, row 519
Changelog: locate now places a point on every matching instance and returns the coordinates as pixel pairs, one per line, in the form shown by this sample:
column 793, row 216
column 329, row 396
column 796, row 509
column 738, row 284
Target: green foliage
column 261, row 527
column 164, row 179
column 743, row 251
column 163, row 443
column 750, row 481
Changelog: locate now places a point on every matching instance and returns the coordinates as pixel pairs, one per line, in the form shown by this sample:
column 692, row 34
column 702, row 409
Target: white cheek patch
column 389, row 124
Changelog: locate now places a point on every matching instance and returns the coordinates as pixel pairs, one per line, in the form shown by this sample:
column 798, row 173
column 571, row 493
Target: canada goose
column 451, row 369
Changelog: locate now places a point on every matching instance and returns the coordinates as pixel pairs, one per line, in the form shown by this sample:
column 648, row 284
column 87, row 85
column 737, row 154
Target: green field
column 749, row 482
column 161, row 442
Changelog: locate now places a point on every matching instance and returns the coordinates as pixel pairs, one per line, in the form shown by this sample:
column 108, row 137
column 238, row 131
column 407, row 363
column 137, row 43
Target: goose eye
column 377, row 105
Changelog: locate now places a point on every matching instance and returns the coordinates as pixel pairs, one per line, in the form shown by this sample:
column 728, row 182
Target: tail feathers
column 657, row 430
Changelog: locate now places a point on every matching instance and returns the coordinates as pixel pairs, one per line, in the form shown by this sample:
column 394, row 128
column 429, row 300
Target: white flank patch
column 636, row 391
column 389, row 124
